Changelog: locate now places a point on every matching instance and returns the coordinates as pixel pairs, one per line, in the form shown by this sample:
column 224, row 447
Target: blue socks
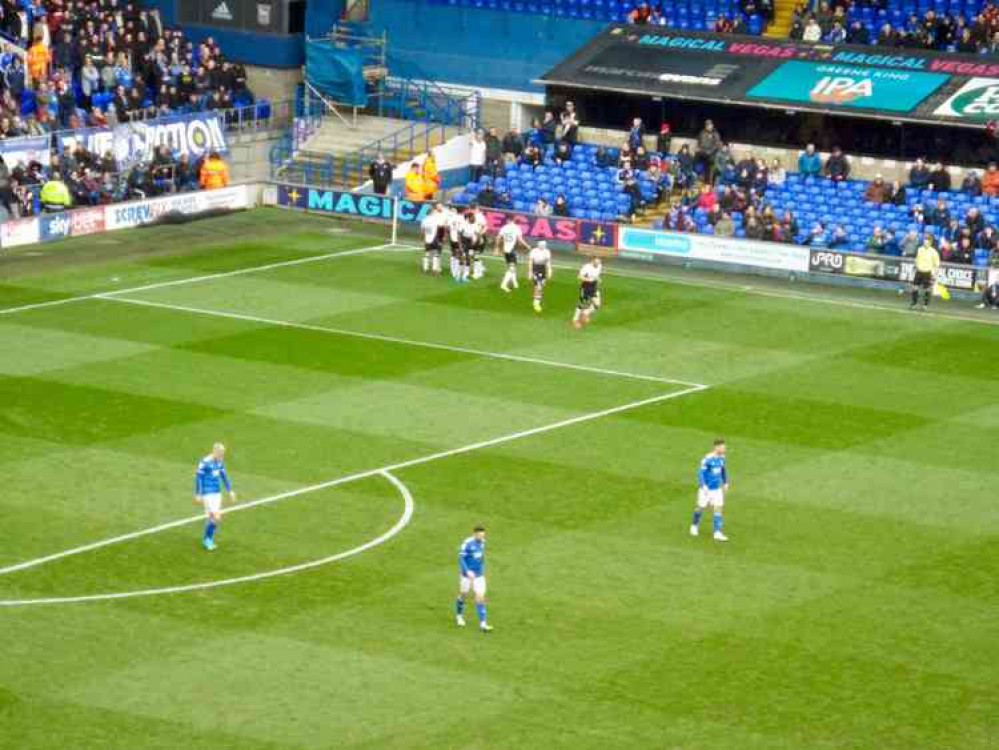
column 697, row 516
column 718, row 522
column 459, row 606
column 210, row 531
column 481, row 610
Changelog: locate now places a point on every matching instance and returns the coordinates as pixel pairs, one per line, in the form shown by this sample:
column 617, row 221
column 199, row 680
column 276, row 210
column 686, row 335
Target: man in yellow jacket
column 415, row 189
column 431, row 178
column 927, row 266
column 214, row 172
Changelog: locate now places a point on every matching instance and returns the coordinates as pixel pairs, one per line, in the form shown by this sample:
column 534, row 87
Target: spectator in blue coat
column 818, row 237
column 809, row 162
column 840, row 239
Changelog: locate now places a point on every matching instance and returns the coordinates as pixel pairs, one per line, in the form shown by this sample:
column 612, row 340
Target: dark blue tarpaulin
column 336, row 72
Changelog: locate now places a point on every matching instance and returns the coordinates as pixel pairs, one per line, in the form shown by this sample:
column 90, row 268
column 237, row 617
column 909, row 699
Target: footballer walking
column 472, row 568
column 209, row 479
column 539, row 268
column 712, row 484
column 510, row 237
column 589, row 292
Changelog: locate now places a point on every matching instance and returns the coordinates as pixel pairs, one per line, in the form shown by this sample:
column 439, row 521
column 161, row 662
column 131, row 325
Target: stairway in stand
column 331, row 155
column 783, row 12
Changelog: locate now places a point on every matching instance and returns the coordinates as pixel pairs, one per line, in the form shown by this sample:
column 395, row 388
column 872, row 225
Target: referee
column 927, row 265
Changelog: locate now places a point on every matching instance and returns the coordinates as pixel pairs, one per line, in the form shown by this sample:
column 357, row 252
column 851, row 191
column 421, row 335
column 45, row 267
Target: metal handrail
column 330, row 106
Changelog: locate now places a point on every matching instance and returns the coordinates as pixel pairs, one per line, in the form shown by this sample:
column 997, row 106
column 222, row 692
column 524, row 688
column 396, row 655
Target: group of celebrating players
column 465, row 234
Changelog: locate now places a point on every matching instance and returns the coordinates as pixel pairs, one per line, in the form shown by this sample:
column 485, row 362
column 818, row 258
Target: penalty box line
column 206, row 277
column 400, row 340
column 387, row 470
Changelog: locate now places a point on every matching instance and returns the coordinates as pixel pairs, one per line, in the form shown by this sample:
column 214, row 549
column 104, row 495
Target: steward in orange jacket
column 214, row 172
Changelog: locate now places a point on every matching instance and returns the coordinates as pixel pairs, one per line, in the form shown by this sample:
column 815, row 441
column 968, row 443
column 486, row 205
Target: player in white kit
column 539, row 267
column 454, row 221
column 434, row 229
column 510, row 237
column 479, row 246
column 589, row 292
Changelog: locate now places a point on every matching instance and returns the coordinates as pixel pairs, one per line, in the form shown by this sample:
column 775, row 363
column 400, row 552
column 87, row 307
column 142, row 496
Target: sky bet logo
column 55, row 226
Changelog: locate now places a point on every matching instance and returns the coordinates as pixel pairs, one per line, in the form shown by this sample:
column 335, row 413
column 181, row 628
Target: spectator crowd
column 706, row 187
column 873, row 22
column 77, row 177
column 103, row 62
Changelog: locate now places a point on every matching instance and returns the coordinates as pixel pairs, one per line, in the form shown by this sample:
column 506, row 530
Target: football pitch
column 373, row 415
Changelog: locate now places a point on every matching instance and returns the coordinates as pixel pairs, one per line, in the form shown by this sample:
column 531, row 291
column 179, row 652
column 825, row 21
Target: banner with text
column 888, row 268
column 646, row 244
column 19, row 151
column 131, row 143
column 93, row 219
column 365, row 206
column 910, row 84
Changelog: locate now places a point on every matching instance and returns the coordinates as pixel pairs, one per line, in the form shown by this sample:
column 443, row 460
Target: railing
column 411, row 140
column 350, row 170
column 408, row 70
column 426, row 101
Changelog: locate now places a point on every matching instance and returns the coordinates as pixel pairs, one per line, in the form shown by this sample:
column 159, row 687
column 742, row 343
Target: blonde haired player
column 510, row 237
column 209, row 478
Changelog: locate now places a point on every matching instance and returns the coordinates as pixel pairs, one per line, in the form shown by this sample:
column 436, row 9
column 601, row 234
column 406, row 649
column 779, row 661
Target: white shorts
column 213, row 503
column 714, row 498
column 478, row 586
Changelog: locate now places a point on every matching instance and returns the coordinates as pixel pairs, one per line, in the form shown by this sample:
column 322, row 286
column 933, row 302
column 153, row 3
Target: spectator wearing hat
column 877, row 191
column 665, row 139
column 972, row 184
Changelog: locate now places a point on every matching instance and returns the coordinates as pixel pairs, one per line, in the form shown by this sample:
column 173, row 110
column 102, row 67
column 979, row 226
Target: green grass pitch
column 854, row 607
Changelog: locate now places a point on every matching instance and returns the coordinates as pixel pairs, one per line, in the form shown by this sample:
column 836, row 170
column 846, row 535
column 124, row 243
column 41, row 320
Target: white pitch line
column 398, row 340
column 196, row 279
column 348, row 478
column 404, row 519
column 902, row 309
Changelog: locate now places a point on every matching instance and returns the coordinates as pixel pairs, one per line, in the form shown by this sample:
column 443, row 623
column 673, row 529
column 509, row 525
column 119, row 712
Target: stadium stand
column 799, row 208
column 99, row 64
column 695, row 15
column 966, row 26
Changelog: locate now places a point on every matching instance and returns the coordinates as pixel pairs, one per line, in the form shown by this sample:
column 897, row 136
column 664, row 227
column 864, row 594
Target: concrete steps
column 330, row 156
column 781, row 25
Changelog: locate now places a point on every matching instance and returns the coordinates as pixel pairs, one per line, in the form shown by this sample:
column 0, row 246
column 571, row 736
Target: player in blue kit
column 472, row 565
column 208, row 481
column 712, row 484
